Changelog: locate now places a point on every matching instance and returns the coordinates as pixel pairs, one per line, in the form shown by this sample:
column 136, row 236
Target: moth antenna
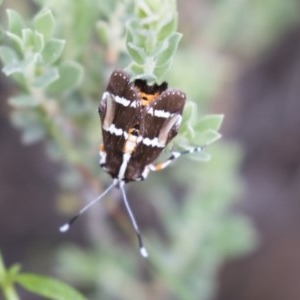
column 67, row 225
column 143, row 250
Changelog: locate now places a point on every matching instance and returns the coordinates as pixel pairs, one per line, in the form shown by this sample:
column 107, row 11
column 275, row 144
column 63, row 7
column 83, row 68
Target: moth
column 138, row 120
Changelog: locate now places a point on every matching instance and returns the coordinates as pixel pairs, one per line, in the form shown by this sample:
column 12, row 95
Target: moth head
column 149, row 93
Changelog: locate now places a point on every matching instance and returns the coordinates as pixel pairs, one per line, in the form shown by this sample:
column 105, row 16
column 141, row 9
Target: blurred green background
column 238, row 58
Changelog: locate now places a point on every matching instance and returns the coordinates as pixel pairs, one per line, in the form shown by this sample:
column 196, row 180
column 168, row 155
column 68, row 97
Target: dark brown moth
column 138, row 121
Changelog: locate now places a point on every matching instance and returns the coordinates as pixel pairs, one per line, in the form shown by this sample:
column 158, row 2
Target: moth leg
column 174, row 155
column 102, row 155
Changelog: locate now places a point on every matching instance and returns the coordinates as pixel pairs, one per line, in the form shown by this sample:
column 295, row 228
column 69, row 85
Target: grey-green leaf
column 168, row 26
column 48, row 287
column 138, row 54
column 161, row 70
column 213, row 122
column 28, row 38
column 39, row 41
column 169, row 49
column 8, row 55
column 49, row 76
column 23, row 101
column 200, row 156
column 102, row 31
column 16, row 40
column 12, row 64
column 44, row 23
column 15, row 22
column 208, row 137
column 53, row 50
column 33, row 134
column 70, row 75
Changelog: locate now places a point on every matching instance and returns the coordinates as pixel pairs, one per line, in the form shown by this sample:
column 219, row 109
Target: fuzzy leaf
column 160, row 71
column 8, row 55
column 48, row 287
column 168, row 26
column 33, row 134
column 10, row 61
column 169, row 50
column 52, row 50
column 134, row 69
column 16, row 40
column 208, row 137
column 15, row 22
column 137, row 54
column 213, row 122
column 102, row 32
column 201, row 156
column 23, row 101
column 44, row 23
column 189, row 118
column 70, row 75
column 39, row 41
column 13, row 272
column 25, row 118
column 2, row 33
column 28, row 38
column 49, row 76
column 150, row 42
column 13, row 64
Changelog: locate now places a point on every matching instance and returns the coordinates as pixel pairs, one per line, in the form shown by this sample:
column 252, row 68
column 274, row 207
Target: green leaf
column 53, row 50
column 32, row 134
column 213, row 122
column 2, row 34
column 13, row 272
column 49, row 76
column 28, row 38
column 48, row 287
column 150, row 42
column 15, row 22
column 26, row 118
column 39, row 41
column 160, row 71
column 138, row 54
column 23, row 101
column 16, row 40
column 208, row 137
column 134, row 69
column 70, row 75
column 8, row 55
column 12, row 64
column 168, row 26
column 44, row 23
column 190, row 114
column 169, row 49
column 2, row 269
column 102, row 31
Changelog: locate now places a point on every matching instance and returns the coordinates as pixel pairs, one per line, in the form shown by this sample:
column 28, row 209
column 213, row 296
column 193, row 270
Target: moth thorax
column 147, row 98
column 131, row 141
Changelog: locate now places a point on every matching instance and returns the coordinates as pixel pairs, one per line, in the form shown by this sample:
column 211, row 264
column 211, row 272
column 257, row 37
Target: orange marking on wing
column 148, row 98
column 101, row 148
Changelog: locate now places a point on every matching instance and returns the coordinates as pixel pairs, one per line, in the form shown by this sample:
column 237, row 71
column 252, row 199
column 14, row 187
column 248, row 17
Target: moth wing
column 159, row 124
column 117, row 114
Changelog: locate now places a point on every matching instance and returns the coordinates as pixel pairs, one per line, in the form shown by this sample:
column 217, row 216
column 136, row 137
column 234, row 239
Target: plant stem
column 10, row 292
column 6, row 286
